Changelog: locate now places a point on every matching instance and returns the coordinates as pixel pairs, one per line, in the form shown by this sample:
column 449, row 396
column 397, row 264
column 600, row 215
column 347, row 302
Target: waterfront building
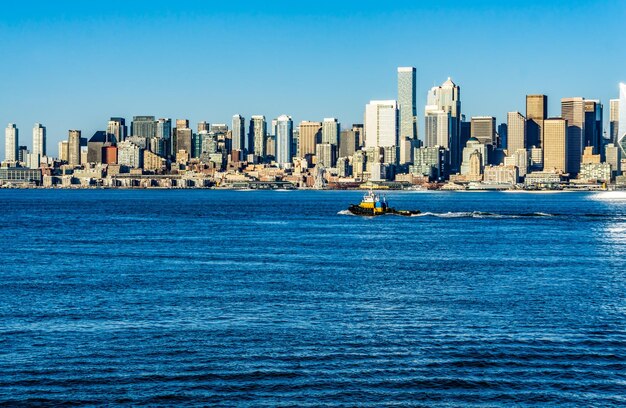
column 129, row 154
column 238, row 136
column 152, row 161
column 257, row 135
column 595, row 172
column 613, row 120
column 348, row 143
column 39, row 140
column 330, row 131
column 73, row 158
column 11, row 143
column 381, row 124
column 536, row 113
column 284, row 140
column 621, row 127
column 516, row 132
column 407, row 111
column 484, row 129
column 556, row 149
column 431, row 162
column 472, row 146
column 144, row 126
column 589, row 156
column 20, row 176
column 501, row 175
column 326, row 154
column 117, row 129
column 310, row 136
column 573, row 111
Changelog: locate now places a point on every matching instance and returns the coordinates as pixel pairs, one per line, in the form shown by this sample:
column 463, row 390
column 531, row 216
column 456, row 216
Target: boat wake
column 344, row 212
column 481, row 214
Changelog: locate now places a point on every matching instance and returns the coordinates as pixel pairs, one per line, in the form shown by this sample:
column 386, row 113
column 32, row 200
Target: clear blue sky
column 72, row 65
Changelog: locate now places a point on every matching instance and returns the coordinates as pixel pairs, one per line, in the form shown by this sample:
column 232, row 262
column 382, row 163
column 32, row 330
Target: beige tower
column 573, row 111
column 516, row 132
column 536, row 113
column 555, row 145
column 73, row 140
column 310, row 136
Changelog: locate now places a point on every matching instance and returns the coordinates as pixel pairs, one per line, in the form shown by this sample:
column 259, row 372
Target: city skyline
column 66, row 80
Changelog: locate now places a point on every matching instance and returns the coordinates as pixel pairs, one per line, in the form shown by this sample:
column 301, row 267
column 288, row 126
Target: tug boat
column 373, row 204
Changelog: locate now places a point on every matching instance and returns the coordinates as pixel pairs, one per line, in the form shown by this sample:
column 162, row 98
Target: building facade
column 516, row 132
column 11, row 143
column 555, row 151
column 573, row 111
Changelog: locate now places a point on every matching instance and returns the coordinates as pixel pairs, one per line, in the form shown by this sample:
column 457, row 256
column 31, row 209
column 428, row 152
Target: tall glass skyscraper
column 407, row 110
column 257, row 135
column 39, row 140
column 239, row 135
column 447, row 99
column 284, row 139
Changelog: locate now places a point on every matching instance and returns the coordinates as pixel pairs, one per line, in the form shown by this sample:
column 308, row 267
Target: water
column 279, row 298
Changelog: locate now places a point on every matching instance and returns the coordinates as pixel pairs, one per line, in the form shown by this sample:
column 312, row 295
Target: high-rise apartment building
column 621, row 127
column 39, row 140
column 143, row 126
column 11, row 143
column 573, row 111
column 330, row 131
column 484, row 129
column 613, row 120
column 536, row 113
column 310, row 135
column 407, row 111
column 516, row 132
column 257, row 135
column 556, row 149
column 437, row 127
column 284, row 139
column 117, row 128
column 73, row 140
column 381, row 124
column 238, row 136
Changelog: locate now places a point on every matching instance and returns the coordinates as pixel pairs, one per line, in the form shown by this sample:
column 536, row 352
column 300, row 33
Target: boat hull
column 370, row 212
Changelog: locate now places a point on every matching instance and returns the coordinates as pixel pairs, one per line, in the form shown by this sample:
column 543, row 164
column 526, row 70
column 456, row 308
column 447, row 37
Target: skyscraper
column 447, row 98
column 621, row 128
column 204, row 126
column 143, row 126
column 310, row 136
column 284, row 139
column 164, row 137
column 484, row 129
column 573, row 111
column 73, row 140
column 257, row 135
column 11, row 143
column 330, row 131
column 117, row 129
column 239, row 135
column 593, row 125
column 381, row 124
column 183, row 137
column 437, row 127
column 555, row 150
column 39, row 140
column 407, row 111
column 613, row 120
column 516, row 132
column 348, row 142
column 536, row 113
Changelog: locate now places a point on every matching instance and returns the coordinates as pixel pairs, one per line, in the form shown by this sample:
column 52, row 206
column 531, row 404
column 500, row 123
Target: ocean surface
column 234, row 298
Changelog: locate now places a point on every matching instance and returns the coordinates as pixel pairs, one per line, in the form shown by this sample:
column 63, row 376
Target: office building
column 143, row 126
column 437, row 127
column 330, row 131
column 556, row 149
column 129, row 154
column 116, row 128
column 474, row 150
column 95, row 146
column 381, row 124
column 184, row 138
column 536, row 113
column 39, row 140
column 613, row 158
column 64, row 151
column 446, row 98
column 516, row 132
column 348, row 143
column 593, row 125
column 284, row 140
column 573, row 111
column 73, row 158
column 204, row 126
column 257, row 135
column 613, row 120
column 325, row 154
column 407, row 111
column 621, row 127
column 431, row 162
column 310, row 135
column 484, row 129
column 238, row 136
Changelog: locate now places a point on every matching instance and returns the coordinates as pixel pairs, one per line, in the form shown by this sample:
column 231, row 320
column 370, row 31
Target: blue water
column 280, row 298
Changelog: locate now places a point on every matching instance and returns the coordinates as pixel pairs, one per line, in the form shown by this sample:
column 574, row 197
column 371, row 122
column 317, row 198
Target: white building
column 516, row 132
column 381, row 124
column 129, row 154
column 407, row 111
column 11, row 143
column 284, row 140
column 330, row 131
